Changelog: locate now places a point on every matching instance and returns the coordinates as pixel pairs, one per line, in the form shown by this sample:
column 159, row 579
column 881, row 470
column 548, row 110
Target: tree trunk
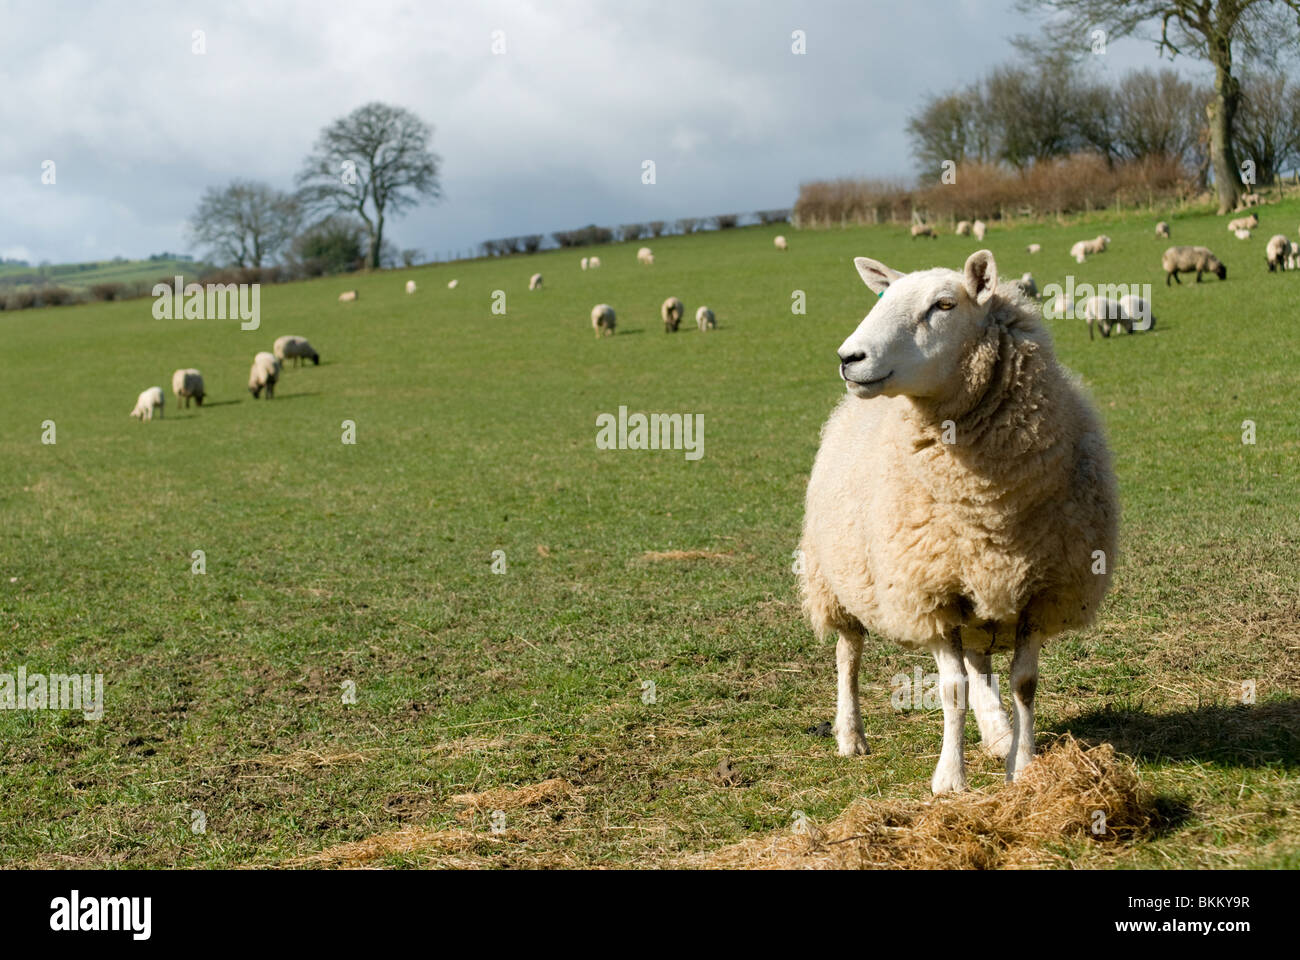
column 1221, row 112
column 378, row 242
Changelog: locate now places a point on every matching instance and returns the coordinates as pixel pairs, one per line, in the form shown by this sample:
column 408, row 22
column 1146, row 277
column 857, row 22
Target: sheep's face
column 914, row 338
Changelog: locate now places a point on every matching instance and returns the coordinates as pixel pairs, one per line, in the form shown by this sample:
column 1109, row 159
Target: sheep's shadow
column 1264, row 734
column 221, row 403
column 291, row 396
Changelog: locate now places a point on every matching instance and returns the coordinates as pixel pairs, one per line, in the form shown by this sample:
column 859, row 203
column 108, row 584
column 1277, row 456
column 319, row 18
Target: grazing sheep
column 295, row 348
column 705, row 320
column 347, row 296
column 963, row 228
column 961, row 502
column 1033, row 248
column 1162, row 229
column 923, row 230
column 186, row 384
column 1106, row 314
column 671, row 310
column 584, row 263
column 265, row 372
column 1135, row 308
column 978, row 228
column 1251, row 200
column 645, row 256
column 1280, row 253
column 148, row 401
column 1243, row 223
column 780, row 243
column 1242, row 234
column 1081, row 250
column 593, row 263
column 1178, row 260
column 451, row 284
column 602, row 319
column 410, row 286
column 535, row 282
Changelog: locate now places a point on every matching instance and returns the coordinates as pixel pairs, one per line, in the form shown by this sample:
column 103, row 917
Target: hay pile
column 1057, row 797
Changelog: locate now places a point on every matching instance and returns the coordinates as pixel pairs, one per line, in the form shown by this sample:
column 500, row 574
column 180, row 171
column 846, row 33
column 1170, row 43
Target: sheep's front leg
column 1024, row 684
column 950, row 774
column 995, row 731
column 850, row 734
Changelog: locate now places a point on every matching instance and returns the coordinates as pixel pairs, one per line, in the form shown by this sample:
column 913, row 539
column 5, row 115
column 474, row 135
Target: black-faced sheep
column 1191, row 259
column 295, row 348
column 671, row 310
column 263, row 375
column 186, row 384
column 602, row 320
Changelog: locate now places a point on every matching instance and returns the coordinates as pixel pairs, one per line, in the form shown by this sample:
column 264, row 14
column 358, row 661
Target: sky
column 549, row 134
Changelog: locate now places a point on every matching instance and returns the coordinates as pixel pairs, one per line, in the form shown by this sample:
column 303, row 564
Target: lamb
column 602, row 320
column 780, row 244
column 645, row 256
column 410, row 286
column 451, row 284
column 672, row 311
column 978, row 228
column 1187, row 259
column 1081, row 250
column 584, row 263
column 265, row 373
column 1251, row 200
column 347, row 296
column 535, row 282
column 186, row 384
column 705, row 320
column 923, row 230
column 1243, row 223
column 963, row 228
column 1027, row 286
column 1280, row 253
column 962, row 501
column 1033, row 248
column 1242, row 234
column 594, row 263
column 1162, row 229
column 295, row 348
column 148, row 401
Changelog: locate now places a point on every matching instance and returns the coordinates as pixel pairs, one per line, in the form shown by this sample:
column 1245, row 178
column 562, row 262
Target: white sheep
column 705, row 320
column 295, row 348
column 188, row 383
column 780, row 243
column 602, row 319
column 963, row 228
column 1241, row 233
column 671, row 310
column 148, row 401
column 1081, row 250
column 1280, row 253
column 645, row 256
column 923, row 230
column 584, row 263
column 1162, row 229
column 451, row 284
column 1105, row 314
column 263, row 375
column 410, row 286
column 535, row 282
column 1033, row 248
column 594, row 263
column 978, row 228
column 962, row 501
column 347, row 296
column 1243, row 223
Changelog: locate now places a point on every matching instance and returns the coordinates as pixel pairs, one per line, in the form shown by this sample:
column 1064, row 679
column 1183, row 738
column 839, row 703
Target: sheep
column 671, row 311
column 962, row 501
column 584, row 263
column 1178, row 260
column 645, row 256
column 1083, row 248
column 148, row 401
column 347, row 296
column 1027, row 286
column 780, row 244
column 705, row 320
column 295, row 348
column 602, row 320
column 186, row 384
column 978, row 228
column 1280, row 253
column 1106, row 314
column 1134, row 308
column 1242, row 234
column 451, row 284
column 594, row 263
column 1243, row 223
column 1162, row 229
column 1033, row 248
column 535, row 282
column 1251, row 200
column 963, row 228
column 923, row 230
column 265, row 373
column 410, row 286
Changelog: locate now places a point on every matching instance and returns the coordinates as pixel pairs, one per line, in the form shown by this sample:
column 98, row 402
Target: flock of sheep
column 604, row 319
column 187, row 384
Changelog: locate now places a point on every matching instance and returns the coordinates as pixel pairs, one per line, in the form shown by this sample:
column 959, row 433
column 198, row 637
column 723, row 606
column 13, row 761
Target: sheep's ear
column 981, row 276
column 875, row 274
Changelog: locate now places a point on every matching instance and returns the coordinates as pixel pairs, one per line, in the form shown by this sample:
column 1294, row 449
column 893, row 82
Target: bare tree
column 1158, row 113
column 245, row 223
column 1215, row 31
column 373, row 163
column 1267, row 133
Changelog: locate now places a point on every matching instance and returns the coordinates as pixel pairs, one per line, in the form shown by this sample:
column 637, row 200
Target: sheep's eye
column 947, row 303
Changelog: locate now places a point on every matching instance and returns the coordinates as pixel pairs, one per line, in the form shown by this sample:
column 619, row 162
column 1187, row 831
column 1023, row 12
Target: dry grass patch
column 656, row 556
column 508, row 798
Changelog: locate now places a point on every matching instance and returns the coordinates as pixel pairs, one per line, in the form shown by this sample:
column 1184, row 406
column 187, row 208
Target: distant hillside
column 82, row 276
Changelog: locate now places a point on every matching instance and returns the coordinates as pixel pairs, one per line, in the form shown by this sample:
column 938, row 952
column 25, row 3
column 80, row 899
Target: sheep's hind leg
column 995, row 731
column 950, row 774
column 1024, row 684
column 850, row 734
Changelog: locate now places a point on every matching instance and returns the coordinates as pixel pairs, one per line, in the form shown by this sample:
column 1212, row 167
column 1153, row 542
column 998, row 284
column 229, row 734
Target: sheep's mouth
column 866, row 388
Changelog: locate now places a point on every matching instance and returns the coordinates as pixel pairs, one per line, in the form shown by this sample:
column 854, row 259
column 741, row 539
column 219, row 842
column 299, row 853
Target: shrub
column 631, row 231
column 108, row 291
column 725, row 221
column 688, row 224
column 656, row 227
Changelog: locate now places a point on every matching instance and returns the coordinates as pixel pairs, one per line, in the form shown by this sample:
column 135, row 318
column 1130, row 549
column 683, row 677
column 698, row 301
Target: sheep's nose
column 846, row 361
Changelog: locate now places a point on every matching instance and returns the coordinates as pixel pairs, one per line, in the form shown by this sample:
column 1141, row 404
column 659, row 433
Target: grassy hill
column 333, row 568
column 83, row 276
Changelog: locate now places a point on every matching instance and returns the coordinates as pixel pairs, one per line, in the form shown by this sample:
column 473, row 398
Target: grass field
column 128, row 272
column 330, row 565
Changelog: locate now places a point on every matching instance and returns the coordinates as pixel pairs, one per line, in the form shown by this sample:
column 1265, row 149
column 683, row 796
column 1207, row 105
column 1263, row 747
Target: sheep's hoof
column 948, row 781
column 853, row 745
